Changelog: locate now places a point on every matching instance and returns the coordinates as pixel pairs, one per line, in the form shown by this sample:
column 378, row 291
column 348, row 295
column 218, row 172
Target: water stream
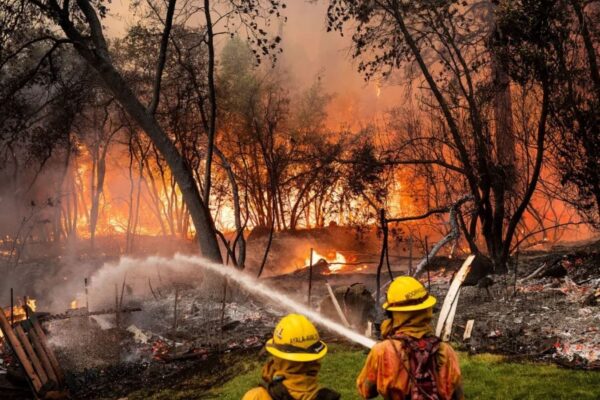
column 279, row 299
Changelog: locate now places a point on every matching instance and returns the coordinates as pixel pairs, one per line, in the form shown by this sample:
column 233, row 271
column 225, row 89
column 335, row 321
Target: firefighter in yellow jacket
column 410, row 362
column 292, row 372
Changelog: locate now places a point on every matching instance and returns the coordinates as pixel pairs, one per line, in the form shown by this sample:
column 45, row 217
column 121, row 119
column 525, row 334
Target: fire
column 335, row 260
column 32, row 304
column 73, row 305
column 18, row 311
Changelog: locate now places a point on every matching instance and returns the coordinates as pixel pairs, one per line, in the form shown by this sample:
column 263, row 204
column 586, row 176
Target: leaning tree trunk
column 97, row 56
column 179, row 167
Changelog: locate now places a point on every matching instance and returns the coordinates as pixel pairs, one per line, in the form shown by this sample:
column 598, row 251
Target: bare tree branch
column 162, row 57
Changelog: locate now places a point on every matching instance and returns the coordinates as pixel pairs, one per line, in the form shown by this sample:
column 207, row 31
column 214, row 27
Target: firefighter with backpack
column 411, row 363
column 292, row 371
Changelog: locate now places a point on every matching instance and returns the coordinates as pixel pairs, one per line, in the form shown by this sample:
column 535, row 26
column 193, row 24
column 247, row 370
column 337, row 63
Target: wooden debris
column 15, row 344
column 535, row 273
column 337, row 306
column 82, row 312
column 446, row 318
column 29, row 343
column 44, row 342
column 35, row 361
column 468, row 329
column 447, row 329
column 41, row 351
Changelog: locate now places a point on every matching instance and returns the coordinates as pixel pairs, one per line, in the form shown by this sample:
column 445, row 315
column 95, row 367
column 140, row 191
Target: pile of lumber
column 30, row 346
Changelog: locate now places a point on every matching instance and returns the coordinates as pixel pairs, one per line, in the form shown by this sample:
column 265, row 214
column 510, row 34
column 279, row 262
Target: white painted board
column 451, row 299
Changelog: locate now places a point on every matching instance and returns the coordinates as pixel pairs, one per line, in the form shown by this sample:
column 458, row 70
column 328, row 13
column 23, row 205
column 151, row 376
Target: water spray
column 192, row 267
column 253, row 285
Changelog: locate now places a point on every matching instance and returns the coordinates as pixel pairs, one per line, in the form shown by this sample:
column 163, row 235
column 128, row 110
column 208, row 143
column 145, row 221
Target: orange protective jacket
column 386, row 370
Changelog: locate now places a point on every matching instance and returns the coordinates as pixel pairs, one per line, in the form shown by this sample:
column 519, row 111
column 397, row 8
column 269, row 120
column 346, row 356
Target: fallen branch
column 441, row 210
column 152, row 290
column 535, row 273
column 453, row 235
column 76, row 314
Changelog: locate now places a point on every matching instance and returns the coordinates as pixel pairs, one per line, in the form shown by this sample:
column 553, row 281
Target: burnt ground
column 553, row 316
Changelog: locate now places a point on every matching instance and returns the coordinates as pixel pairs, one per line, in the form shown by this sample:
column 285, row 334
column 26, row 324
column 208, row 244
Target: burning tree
column 446, row 44
column 570, row 47
column 81, row 28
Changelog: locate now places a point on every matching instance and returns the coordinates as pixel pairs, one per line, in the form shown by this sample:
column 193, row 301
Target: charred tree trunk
column 98, row 175
column 60, row 193
column 505, row 140
column 240, row 241
column 129, row 233
column 212, row 97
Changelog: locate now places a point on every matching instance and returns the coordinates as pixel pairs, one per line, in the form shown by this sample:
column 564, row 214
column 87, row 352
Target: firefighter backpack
column 422, row 361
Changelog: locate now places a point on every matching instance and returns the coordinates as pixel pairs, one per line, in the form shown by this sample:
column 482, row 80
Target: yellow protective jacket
column 386, row 371
column 299, row 378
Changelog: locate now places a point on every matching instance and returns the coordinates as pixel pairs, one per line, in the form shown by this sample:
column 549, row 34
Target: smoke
column 197, row 271
column 309, row 52
column 135, row 278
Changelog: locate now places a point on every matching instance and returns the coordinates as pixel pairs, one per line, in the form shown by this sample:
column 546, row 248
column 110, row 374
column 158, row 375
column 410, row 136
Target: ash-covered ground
column 549, row 311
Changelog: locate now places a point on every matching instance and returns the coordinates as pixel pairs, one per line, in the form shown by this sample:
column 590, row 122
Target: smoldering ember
column 301, row 199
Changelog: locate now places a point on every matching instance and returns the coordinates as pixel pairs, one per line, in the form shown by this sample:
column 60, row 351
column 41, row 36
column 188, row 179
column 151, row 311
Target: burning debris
column 18, row 313
column 334, row 262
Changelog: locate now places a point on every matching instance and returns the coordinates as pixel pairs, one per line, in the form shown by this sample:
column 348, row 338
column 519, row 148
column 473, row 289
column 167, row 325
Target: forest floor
column 552, row 317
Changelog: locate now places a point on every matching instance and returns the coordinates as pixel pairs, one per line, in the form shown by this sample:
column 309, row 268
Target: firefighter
column 410, row 362
column 292, row 371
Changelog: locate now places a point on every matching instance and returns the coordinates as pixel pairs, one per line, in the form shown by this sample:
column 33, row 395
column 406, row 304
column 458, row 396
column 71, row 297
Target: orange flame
column 18, row 311
column 336, row 260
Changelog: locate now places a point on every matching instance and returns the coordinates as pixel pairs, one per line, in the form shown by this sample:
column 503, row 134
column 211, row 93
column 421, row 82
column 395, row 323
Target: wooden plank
column 449, row 301
column 41, row 351
column 337, row 306
column 447, row 329
column 35, row 360
column 19, row 351
column 44, row 342
column 468, row 329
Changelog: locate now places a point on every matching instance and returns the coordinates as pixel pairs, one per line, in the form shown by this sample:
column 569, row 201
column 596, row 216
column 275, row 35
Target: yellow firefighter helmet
column 296, row 339
column 408, row 294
